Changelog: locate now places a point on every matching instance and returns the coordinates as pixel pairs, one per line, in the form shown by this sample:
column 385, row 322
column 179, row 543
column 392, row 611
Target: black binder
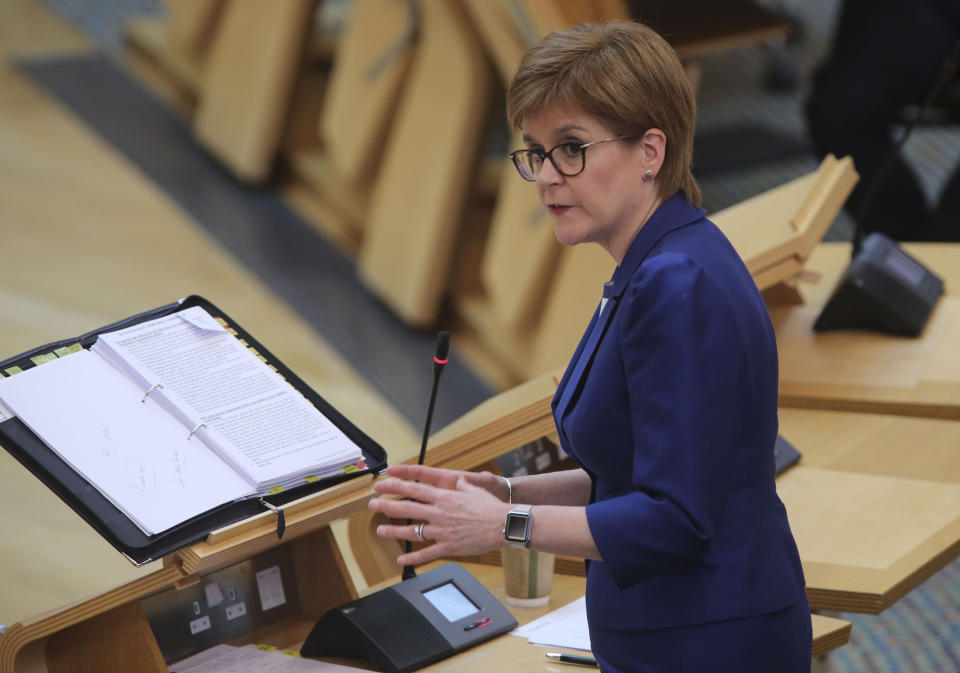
column 109, row 521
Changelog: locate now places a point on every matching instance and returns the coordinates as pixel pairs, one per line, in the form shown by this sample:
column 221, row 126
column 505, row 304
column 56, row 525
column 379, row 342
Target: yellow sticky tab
column 262, row 359
column 350, row 468
column 244, row 342
column 276, row 489
column 45, row 357
column 232, row 331
column 266, row 648
column 66, row 350
column 223, row 323
column 290, row 653
column 311, row 479
column 12, row 370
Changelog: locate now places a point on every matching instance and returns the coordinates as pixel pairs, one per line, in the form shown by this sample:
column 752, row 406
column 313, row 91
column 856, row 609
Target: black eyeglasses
column 568, row 158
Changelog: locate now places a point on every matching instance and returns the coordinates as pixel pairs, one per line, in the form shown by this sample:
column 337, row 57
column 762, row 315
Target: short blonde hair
column 622, row 73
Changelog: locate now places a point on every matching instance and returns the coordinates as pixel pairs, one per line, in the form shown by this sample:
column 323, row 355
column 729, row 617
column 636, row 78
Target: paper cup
column 527, row 576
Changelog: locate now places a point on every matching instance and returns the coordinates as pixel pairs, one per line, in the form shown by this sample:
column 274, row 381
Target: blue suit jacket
column 670, row 405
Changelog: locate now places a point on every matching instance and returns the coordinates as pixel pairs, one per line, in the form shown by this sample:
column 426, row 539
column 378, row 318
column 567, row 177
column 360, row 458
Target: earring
column 648, row 174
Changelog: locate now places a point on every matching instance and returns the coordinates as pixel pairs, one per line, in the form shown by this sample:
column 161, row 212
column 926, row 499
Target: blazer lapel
column 571, row 382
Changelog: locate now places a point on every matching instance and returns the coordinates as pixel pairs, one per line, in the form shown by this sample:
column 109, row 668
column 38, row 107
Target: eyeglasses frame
column 549, row 155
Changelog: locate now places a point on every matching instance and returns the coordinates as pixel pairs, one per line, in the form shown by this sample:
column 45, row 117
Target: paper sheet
column 256, row 420
column 93, row 417
column 250, row 659
column 564, row 627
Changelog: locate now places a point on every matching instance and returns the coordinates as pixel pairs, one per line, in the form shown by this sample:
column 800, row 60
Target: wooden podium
column 112, row 630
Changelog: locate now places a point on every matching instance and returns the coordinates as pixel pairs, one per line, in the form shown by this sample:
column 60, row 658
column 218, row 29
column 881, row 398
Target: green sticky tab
column 41, row 359
column 276, row 489
column 67, row 350
column 311, row 479
column 12, row 370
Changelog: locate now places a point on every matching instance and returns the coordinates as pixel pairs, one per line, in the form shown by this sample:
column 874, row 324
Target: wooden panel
column 865, row 371
column 421, row 191
column 317, row 556
column 501, row 32
column 191, row 24
column 788, row 221
column 259, row 532
column 369, row 67
column 866, row 540
column 248, row 81
column 119, row 640
column 574, row 295
column 22, row 640
column 521, row 252
column 896, row 446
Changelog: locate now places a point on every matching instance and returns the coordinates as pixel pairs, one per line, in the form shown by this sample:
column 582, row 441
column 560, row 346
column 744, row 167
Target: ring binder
column 152, row 388
column 197, row 429
column 125, row 534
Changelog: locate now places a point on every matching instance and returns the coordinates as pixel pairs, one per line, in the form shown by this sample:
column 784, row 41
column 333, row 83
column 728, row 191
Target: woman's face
column 609, row 201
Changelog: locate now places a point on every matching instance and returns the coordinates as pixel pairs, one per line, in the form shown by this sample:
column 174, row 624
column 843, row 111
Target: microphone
column 439, row 362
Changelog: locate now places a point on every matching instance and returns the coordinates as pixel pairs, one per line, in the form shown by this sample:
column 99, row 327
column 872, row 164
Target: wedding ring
column 419, row 531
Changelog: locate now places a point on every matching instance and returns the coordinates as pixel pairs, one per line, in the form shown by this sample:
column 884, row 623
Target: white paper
column 5, row 413
column 213, row 594
column 564, row 627
column 134, row 452
column 250, row 659
column 257, row 421
column 270, row 586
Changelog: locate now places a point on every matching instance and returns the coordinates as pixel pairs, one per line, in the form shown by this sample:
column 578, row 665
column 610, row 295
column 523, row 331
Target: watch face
column 517, row 527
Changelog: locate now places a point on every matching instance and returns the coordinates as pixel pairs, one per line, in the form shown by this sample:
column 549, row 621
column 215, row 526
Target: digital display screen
column 450, row 601
column 903, row 266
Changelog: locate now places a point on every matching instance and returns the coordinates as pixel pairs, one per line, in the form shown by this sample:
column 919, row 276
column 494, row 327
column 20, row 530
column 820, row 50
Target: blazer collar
column 672, row 214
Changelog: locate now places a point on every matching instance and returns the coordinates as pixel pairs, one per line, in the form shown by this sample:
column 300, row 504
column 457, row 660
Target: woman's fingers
column 403, row 509
column 407, row 489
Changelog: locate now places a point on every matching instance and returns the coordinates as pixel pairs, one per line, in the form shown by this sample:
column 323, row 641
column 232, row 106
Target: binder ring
column 199, row 427
column 152, row 388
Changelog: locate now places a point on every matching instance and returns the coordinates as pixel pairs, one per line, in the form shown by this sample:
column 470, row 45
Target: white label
column 213, row 593
column 238, row 610
column 198, row 625
column 270, row 586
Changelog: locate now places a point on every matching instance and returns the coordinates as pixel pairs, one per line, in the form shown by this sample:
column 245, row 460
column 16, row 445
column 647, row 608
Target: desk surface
column 513, row 654
column 874, row 503
column 865, row 371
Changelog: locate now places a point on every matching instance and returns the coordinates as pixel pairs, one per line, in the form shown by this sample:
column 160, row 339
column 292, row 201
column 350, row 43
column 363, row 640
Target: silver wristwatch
column 517, row 526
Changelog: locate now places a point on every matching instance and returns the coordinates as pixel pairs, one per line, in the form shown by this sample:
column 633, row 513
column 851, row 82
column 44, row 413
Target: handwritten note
column 132, row 451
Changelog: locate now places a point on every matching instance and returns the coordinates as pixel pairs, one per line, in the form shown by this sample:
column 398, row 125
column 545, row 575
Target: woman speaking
column 669, row 404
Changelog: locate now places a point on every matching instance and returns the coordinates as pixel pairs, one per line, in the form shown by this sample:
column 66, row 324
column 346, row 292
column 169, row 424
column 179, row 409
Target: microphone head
column 443, row 346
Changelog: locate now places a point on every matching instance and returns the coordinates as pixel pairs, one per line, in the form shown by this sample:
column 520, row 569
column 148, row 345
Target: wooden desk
column 866, row 371
column 873, row 504
column 112, row 628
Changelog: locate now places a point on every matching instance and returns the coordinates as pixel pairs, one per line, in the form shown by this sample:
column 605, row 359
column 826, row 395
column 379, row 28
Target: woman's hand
column 458, row 509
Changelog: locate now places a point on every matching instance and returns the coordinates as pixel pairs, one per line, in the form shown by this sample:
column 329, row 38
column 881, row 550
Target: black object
column 439, row 362
column 785, row 455
column 110, row 522
column 883, row 289
column 413, row 623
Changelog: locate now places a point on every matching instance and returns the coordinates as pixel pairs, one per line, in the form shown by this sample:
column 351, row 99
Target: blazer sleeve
column 684, row 366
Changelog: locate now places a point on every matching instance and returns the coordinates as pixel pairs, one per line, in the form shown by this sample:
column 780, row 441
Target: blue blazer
column 670, row 405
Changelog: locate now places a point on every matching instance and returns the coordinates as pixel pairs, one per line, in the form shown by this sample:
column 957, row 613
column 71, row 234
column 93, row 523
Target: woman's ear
column 654, row 144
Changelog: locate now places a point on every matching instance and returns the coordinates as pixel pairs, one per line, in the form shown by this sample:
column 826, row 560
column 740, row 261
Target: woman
column 670, row 401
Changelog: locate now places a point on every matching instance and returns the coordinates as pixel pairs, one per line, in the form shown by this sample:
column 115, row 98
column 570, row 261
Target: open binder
column 111, row 522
